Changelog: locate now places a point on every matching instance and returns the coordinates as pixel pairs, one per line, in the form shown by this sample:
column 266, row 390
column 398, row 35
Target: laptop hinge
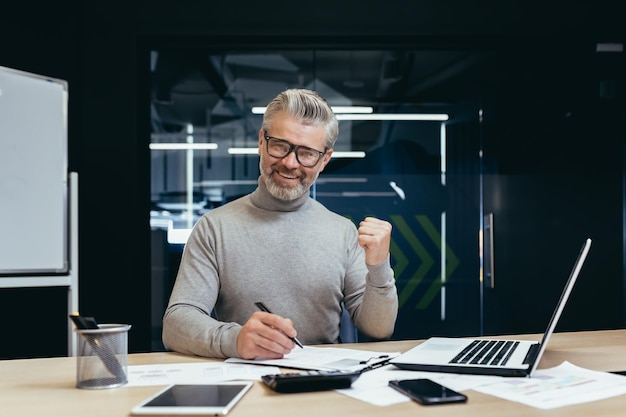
column 532, row 353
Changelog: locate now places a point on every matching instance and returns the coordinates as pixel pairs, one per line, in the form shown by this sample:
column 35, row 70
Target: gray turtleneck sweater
column 297, row 257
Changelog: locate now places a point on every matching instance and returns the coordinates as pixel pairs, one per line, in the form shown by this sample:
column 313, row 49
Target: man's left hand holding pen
column 266, row 335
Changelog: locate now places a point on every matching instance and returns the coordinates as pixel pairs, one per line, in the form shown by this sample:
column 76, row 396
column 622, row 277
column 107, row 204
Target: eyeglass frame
column 292, row 148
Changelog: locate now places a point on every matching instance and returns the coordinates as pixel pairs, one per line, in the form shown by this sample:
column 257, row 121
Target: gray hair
column 308, row 107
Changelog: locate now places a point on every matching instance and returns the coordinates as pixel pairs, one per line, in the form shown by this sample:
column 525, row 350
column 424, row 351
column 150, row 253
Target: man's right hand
column 265, row 335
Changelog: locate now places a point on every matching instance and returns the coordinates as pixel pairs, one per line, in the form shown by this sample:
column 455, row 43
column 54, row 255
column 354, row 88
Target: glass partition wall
column 408, row 152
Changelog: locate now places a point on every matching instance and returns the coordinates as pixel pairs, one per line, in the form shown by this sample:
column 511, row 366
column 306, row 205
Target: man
column 282, row 248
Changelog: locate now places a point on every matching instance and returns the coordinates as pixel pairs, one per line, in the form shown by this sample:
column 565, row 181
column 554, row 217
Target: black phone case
column 453, row 397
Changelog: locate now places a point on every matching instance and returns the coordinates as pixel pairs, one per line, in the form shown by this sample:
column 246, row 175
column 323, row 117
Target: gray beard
column 283, row 193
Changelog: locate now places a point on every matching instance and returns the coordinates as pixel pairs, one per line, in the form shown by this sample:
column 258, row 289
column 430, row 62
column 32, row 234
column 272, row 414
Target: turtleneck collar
column 262, row 199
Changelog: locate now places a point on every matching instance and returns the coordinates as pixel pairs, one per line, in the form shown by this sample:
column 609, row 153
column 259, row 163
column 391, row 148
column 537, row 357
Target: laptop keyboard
column 486, row 352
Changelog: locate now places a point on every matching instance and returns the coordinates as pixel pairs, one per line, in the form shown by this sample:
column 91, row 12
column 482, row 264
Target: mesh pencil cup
column 102, row 356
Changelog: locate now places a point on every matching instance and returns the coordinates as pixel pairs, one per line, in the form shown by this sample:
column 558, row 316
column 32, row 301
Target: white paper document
column 373, row 386
column 563, row 385
column 324, row 359
column 194, row 373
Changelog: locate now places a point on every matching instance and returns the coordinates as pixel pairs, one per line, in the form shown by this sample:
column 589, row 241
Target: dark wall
column 97, row 47
column 43, row 39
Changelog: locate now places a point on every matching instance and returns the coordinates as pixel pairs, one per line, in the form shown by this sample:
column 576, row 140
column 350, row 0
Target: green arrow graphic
column 452, row 262
column 422, row 253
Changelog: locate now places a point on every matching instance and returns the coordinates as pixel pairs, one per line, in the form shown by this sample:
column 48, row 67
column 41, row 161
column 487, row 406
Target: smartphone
column 427, row 392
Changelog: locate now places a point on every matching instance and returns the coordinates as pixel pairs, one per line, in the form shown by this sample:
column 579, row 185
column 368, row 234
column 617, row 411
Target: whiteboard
column 33, row 174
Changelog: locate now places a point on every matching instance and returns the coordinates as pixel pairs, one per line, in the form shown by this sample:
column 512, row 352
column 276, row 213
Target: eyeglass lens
column 279, row 148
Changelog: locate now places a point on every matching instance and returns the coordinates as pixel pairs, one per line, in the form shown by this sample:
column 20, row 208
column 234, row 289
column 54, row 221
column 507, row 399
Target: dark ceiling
column 207, row 89
column 215, row 89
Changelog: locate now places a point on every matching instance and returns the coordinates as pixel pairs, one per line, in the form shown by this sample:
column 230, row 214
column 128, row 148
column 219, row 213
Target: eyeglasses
column 280, row 148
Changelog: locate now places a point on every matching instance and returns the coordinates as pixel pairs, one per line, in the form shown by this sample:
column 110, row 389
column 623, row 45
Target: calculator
column 306, row 381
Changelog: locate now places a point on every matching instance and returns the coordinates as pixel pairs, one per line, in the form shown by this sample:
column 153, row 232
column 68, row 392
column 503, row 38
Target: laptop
column 485, row 356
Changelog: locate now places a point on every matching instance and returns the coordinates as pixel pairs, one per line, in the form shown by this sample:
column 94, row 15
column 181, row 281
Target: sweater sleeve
column 374, row 306
column 187, row 323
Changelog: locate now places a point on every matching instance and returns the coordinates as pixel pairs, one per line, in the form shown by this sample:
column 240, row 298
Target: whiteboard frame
column 67, row 274
column 33, row 184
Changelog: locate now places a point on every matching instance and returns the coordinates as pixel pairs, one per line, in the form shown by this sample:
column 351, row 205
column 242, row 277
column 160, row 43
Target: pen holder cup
column 102, row 356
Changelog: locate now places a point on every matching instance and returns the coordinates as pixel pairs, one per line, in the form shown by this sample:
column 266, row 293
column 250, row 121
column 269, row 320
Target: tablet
column 194, row 399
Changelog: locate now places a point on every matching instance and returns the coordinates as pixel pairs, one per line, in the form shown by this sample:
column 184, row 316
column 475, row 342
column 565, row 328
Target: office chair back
column 347, row 331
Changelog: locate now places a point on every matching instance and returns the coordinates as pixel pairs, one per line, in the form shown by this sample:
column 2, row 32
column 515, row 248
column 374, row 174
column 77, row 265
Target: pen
column 262, row 307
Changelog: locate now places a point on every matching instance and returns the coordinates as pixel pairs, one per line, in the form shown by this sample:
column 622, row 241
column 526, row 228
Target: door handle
column 488, row 253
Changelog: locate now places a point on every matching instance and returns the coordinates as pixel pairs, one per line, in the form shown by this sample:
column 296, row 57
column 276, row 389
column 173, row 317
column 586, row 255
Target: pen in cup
column 102, row 350
column 262, row 307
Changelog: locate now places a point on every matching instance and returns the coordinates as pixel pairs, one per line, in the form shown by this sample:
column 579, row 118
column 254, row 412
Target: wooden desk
column 46, row 387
